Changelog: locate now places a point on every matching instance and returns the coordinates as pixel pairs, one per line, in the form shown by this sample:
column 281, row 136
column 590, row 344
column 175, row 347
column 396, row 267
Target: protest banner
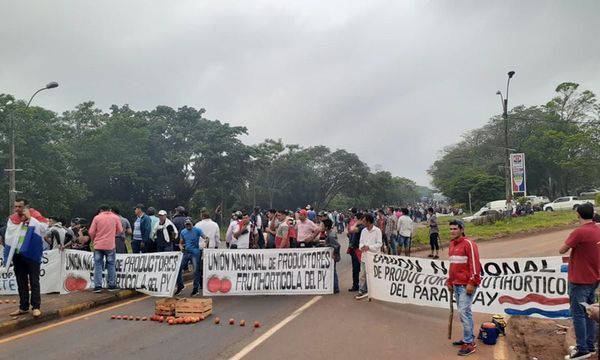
column 268, row 272
column 49, row 275
column 520, row 286
column 154, row 274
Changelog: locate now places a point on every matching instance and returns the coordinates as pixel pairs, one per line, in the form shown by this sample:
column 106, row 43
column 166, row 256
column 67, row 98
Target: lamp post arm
column 32, row 96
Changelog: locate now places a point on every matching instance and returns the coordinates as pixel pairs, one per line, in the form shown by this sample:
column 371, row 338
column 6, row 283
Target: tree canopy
column 559, row 139
column 165, row 157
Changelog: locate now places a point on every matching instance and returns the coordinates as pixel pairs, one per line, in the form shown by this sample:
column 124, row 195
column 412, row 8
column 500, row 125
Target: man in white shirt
column 210, row 229
column 229, row 234
column 405, row 230
column 371, row 240
column 241, row 233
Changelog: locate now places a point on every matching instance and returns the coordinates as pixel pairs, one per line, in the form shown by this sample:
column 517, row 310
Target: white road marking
column 246, row 350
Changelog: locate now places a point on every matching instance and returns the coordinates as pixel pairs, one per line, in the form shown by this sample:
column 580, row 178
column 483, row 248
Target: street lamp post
column 12, row 192
column 506, row 148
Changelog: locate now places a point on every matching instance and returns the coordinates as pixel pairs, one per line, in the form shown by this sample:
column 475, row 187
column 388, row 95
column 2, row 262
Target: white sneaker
column 573, row 351
column 361, row 296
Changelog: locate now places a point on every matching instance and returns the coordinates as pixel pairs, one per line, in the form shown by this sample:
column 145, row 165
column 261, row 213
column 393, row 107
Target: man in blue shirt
column 189, row 242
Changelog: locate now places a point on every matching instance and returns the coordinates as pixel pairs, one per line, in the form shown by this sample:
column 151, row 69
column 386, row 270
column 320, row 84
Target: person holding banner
column 23, row 247
column 584, row 275
column 371, row 240
column 463, row 279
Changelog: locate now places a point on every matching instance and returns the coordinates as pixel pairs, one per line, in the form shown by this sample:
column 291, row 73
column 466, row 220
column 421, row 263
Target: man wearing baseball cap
column 165, row 233
column 306, row 229
column 189, row 243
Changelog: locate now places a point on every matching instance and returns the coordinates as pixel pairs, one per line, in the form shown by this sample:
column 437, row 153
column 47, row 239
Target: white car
column 481, row 214
column 564, row 203
column 537, row 200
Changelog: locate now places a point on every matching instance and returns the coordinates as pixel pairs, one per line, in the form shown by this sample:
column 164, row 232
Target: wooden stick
column 451, row 314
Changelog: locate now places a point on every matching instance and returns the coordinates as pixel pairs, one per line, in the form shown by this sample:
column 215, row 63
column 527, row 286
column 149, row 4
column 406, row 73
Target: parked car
column 589, row 193
column 537, row 200
column 482, row 214
column 499, row 205
column 564, row 203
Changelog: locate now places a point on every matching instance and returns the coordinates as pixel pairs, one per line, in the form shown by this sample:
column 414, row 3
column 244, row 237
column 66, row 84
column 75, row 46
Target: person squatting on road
column 584, row 274
column 370, row 240
column 463, row 279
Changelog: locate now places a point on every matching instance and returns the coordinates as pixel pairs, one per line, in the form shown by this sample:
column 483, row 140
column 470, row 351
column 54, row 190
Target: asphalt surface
column 334, row 327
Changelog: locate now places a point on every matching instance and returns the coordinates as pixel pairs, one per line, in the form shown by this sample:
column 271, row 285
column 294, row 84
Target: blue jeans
column 404, row 241
column 99, row 256
column 463, row 304
column 393, row 244
column 585, row 328
column 196, row 259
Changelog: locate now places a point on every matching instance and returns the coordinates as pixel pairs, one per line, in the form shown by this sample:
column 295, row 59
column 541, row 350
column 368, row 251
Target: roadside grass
column 524, row 224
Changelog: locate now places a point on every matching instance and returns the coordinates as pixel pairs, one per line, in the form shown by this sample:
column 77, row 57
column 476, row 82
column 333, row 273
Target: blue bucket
column 489, row 335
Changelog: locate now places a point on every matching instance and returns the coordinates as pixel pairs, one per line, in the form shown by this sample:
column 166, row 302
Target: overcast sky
column 393, row 81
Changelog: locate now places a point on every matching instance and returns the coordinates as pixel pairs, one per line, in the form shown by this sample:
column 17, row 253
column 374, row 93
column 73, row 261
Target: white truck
column 564, row 203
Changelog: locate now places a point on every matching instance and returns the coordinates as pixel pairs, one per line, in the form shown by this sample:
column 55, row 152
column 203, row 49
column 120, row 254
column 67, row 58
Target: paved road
column 334, row 327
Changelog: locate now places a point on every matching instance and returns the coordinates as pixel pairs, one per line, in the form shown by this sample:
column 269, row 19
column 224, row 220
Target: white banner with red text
column 49, row 275
column 154, row 274
column 66, row 271
column 268, row 271
column 534, row 286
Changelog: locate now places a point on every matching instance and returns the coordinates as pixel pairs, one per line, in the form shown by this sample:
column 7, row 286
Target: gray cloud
column 394, row 82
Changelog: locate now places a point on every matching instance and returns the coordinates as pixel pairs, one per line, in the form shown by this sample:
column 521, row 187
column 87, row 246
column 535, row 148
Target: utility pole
column 508, row 186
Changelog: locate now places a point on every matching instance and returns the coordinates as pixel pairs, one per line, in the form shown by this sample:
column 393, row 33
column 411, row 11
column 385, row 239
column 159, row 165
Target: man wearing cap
column 165, row 233
column 306, row 230
column 210, row 229
column 189, row 243
column 142, row 228
column 463, row 279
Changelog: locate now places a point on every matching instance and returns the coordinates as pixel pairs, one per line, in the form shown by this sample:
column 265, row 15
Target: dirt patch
column 530, row 338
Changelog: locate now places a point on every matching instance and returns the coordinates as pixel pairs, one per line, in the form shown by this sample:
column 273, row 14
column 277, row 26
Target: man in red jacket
column 463, row 278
